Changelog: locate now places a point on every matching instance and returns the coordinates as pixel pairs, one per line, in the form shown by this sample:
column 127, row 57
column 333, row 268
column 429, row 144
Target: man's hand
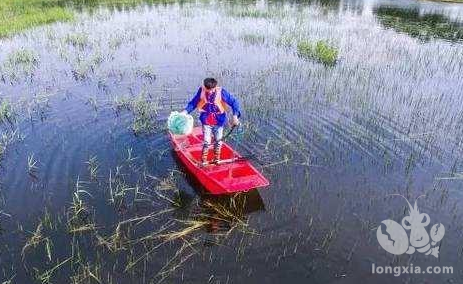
column 235, row 120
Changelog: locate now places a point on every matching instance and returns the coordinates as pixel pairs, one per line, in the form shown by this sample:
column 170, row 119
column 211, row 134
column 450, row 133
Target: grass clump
column 22, row 57
column 145, row 111
column 78, row 40
column 285, row 41
column 16, row 16
column 254, row 13
column 253, row 39
column 146, row 72
column 320, row 51
column 6, row 112
column 19, row 63
column 251, row 13
column 7, row 138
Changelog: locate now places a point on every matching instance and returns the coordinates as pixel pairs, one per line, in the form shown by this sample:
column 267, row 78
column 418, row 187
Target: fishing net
column 180, row 123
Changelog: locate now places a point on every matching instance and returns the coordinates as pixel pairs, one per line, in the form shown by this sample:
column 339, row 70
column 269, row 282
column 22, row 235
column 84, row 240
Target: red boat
column 233, row 174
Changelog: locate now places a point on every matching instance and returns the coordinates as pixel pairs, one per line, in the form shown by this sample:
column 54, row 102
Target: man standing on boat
column 211, row 101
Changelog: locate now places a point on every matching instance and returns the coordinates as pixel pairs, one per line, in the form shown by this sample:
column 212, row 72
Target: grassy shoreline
column 16, row 16
column 19, row 15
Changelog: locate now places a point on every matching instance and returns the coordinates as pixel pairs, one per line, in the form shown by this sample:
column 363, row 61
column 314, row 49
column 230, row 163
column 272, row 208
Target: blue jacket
column 211, row 108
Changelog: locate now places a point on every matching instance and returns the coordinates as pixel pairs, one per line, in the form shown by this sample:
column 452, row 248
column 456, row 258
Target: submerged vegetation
column 320, row 51
column 422, row 26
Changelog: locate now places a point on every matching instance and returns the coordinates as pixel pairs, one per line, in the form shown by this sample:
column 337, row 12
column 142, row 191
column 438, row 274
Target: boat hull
column 236, row 174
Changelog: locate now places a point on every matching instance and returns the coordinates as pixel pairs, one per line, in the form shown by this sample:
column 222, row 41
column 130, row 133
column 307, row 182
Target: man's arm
column 230, row 100
column 191, row 106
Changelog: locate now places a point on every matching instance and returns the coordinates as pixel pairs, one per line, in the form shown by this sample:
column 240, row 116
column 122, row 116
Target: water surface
column 91, row 104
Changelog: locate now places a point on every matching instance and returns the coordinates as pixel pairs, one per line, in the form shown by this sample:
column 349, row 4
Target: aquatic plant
column 252, row 38
column 79, row 216
column 31, row 164
column 22, row 57
column 121, row 103
column 78, row 40
column 118, row 231
column 320, row 51
column 6, row 138
column 7, row 113
column 252, row 12
column 20, row 63
column 285, row 41
column 92, row 166
column 81, row 70
column 146, row 72
column 422, row 26
column 38, row 106
column 145, row 111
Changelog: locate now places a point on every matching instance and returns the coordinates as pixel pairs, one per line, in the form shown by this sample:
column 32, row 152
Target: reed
column 92, row 167
column 31, row 164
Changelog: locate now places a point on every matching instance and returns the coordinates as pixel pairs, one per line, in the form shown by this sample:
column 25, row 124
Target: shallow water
column 335, row 142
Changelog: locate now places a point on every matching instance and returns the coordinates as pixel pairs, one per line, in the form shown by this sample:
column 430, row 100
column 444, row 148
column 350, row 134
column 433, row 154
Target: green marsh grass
column 16, row 16
column 20, row 15
column 320, row 51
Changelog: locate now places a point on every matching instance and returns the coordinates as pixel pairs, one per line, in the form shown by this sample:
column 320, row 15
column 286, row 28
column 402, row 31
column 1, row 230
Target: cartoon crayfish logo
column 396, row 241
